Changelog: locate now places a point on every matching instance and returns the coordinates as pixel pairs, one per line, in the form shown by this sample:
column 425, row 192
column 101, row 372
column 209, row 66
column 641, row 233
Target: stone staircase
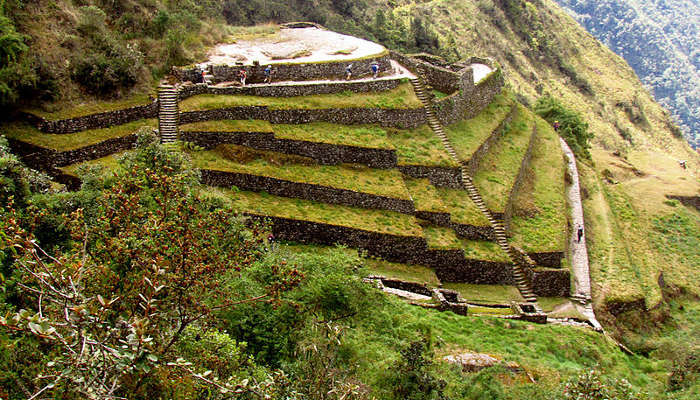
column 168, row 114
column 520, row 260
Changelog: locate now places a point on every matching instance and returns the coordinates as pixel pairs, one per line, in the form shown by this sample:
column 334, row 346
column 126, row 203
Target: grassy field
column 425, row 196
column 70, row 141
column 499, row 167
column 228, row 125
column 299, row 169
column 540, row 215
column 370, row 136
column 440, row 238
column 360, row 218
column 406, row 272
column 461, row 207
column 467, row 135
column 493, row 294
column 400, row 97
column 484, row 250
column 420, row 146
column 93, row 107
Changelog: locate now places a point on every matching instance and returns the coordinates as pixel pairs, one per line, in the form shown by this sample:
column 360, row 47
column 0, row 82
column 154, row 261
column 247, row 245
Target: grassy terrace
column 539, row 220
column 486, row 293
column 300, row 169
column 420, row 146
column 380, row 221
column 467, row 135
column 62, row 142
column 406, row 272
column 441, row 238
column 370, row 136
column 109, row 162
column 399, row 97
column 425, row 196
column 499, row 167
column 483, row 250
column 461, row 207
column 229, row 125
column 95, row 107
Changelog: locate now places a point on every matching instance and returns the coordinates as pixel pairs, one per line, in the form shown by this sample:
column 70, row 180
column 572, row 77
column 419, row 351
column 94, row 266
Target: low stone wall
column 618, row 307
column 306, row 191
column 548, row 259
column 688, row 201
column 407, row 286
column 438, row 176
column 551, row 282
column 288, row 71
column 476, row 271
column 472, row 164
column 440, row 78
column 398, row 118
column 323, row 153
column 517, row 184
column 469, row 100
column 437, row 218
column 47, row 159
column 402, row 249
column 473, row 232
column 291, row 90
column 93, row 121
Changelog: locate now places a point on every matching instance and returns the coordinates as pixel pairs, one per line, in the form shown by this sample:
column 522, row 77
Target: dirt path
column 578, row 252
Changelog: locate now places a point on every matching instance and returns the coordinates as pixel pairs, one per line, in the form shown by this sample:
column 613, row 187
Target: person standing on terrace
column 348, row 72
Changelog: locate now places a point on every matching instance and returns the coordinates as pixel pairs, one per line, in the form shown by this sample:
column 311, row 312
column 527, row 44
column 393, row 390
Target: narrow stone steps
column 168, row 114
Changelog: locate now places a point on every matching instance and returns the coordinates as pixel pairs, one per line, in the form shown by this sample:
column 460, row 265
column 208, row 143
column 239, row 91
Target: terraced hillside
column 361, row 168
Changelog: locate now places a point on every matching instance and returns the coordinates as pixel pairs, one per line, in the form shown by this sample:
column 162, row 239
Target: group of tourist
column 267, row 73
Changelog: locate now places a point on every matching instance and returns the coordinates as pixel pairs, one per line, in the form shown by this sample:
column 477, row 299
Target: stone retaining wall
column 437, row 218
column 447, row 177
column 306, row 191
column 548, row 259
column 407, row 286
column 291, row 90
column 398, row 118
column 288, row 71
column 93, row 121
column 618, row 307
column 440, row 78
column 517, row 184
column 470, row 99
column 473, row 232
column 688, row 201
column 323, row 153
column 551, row 282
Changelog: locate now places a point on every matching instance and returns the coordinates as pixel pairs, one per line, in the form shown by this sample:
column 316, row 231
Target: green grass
column 441, row 238
column 404, row 272
column 400, row 97
column 499, row 167
column 62, row 142
column 299, row 169
column 540, row 214
column 109, row 162
column 420, row 146
column 369, row 136
column 484, row 250
column 489, row 310
column 380, row 221
column 425, row 196
column 467, row 135
column 490, row 294
column 228, row 125
column 92, row 107
column 461, row 207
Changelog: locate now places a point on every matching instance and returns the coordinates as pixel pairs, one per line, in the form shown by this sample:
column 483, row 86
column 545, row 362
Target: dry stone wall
column 306, row 191
column 323, row 153
column 47, row 159
column 447, row 177
column 473, row 163
column 548, row 259
column 93, row 121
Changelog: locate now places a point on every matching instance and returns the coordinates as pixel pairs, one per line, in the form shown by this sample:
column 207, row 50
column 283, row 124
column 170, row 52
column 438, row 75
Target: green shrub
column 571, row 126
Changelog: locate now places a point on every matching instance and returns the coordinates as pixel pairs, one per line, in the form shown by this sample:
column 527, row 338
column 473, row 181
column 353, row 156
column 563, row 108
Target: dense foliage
column 568, row 124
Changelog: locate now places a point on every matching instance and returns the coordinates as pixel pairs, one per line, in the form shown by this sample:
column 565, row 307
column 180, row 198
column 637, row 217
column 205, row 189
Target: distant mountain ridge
column 660, row 40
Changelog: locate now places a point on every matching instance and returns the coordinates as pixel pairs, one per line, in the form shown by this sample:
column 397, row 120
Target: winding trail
column 578, row 252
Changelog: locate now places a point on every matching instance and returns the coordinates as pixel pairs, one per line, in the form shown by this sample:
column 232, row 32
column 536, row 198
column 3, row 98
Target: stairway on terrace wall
column 168, row 114
column 520, row 260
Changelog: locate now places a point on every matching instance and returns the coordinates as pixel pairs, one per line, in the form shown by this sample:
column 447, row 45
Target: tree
column 152, row 259
column 571, row 126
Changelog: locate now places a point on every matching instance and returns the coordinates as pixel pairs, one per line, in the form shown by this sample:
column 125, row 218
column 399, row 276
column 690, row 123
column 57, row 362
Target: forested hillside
column 660, row 39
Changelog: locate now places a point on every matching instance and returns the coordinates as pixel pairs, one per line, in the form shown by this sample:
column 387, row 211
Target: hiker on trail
column 348, row 72
column 268, row 74
column 242, row 75
column 556, row 125
column 579, row 232
column 682, row 164
column 203, row 79
column 375, row 69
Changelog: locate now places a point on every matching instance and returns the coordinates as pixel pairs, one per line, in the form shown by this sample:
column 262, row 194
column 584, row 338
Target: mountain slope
column 659, row 39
